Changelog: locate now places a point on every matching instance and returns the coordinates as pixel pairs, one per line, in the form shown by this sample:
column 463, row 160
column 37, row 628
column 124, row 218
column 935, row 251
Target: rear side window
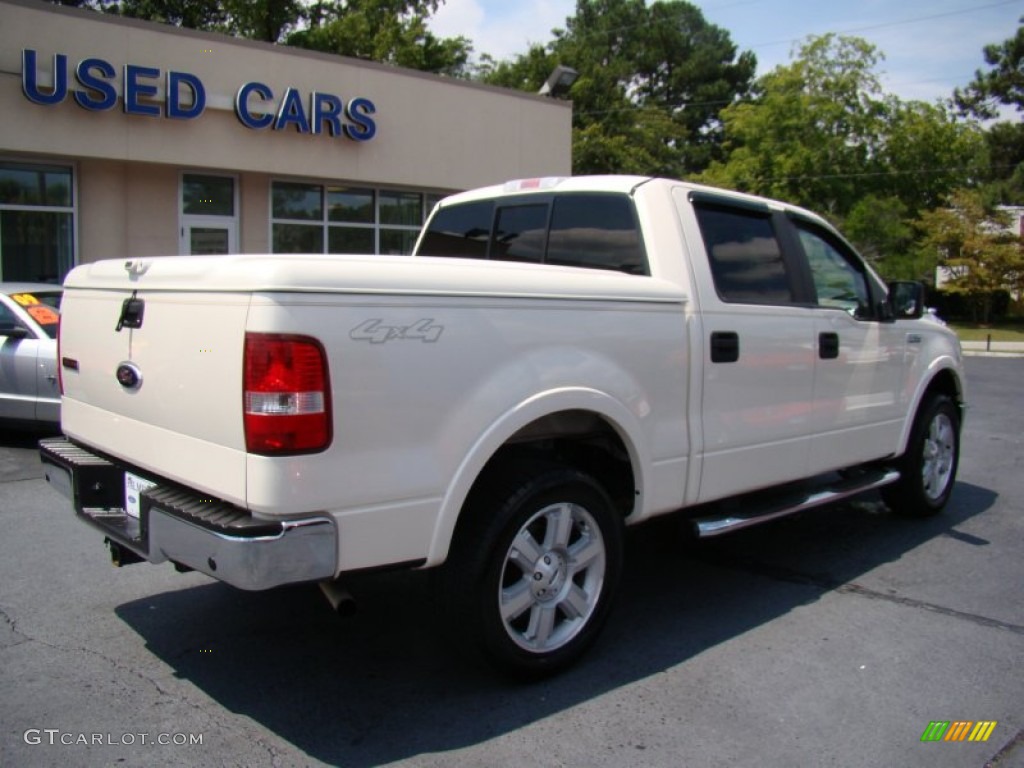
column 592, row 230
column 459, row 230
column 596, row 231
column 746, row 258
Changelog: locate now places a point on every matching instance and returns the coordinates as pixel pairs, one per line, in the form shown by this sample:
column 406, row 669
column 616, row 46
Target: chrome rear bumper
column 188, row 529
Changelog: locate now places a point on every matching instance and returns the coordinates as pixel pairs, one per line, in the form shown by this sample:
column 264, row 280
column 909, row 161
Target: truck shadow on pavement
column 382, row 686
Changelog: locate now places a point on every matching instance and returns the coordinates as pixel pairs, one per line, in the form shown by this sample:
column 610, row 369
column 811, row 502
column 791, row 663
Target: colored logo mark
column 959, row 730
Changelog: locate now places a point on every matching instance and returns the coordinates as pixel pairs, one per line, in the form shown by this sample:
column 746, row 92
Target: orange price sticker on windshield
column 43, row 314
column 25, row 299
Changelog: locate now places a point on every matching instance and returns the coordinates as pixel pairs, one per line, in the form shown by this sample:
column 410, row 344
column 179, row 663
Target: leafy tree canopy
column 974, row 242
column 652, row 80
column 389, row 31
column 1003, row 83
column 821, row 133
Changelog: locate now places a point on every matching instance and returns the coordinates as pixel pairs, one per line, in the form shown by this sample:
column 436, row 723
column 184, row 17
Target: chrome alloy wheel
column 939, row 456
column 552, row 577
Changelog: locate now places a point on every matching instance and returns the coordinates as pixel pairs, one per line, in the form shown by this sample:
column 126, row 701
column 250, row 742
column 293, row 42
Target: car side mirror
column 906, row 300
column 15, row 332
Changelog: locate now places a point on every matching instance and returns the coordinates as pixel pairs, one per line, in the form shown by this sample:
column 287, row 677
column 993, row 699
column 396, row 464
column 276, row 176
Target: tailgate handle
column 132, row 310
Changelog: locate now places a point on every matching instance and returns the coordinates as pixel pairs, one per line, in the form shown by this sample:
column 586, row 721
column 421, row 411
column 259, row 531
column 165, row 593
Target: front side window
column 838, row 281
column 36, row 222
column 745, row 256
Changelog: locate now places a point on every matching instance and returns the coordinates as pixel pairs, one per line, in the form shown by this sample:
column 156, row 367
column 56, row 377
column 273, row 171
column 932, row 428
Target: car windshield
column 43, row 307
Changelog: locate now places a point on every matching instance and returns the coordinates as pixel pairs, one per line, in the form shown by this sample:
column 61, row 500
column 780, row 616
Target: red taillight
column 286, row 395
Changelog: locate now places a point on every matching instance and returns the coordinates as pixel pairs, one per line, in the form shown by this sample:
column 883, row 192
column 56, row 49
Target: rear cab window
column 591, row 230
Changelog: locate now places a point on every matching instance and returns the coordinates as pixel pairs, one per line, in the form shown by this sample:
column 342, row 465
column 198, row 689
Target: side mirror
column 15, row 332
column 906, row 300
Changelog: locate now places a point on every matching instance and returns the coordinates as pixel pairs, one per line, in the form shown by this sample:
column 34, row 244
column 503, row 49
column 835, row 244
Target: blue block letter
column 247, row 118
column 29, row 85
column 134, row 90
column 174, row 105
column 363, row 128
column 99, row 94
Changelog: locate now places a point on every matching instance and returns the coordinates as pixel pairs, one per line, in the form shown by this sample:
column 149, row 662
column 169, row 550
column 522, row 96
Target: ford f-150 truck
column 560, row 358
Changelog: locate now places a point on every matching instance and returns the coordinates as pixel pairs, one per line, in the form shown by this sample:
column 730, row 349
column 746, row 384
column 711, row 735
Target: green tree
column 388, row 31
column 813, row 132
column 1003, row 83
column 1004, row 177
column 880, row 228
column 193, row 14
column 821, row 133
column 975, row 244
column 652, row 81
column 268, row 20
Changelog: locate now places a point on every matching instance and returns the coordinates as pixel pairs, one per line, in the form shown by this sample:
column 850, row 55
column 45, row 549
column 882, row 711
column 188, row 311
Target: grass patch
column 1004, row 331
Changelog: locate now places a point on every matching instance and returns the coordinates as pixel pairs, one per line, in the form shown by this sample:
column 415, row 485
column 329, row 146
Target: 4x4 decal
column 377, row 332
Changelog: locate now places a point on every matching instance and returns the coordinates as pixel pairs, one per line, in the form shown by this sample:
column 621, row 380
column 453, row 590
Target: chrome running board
column 755, row 510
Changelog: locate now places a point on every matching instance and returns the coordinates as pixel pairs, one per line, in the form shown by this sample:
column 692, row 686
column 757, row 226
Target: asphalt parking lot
column 830, row 639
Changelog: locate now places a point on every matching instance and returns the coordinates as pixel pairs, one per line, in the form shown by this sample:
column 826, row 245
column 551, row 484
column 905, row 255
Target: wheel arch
column 944, row 379
column 553, row 421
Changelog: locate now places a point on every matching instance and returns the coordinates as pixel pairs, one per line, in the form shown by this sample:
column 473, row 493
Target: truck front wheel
column 928, row 468
column 534, row 573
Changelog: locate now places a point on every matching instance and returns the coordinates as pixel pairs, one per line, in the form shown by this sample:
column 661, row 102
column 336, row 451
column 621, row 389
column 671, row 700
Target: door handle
column 725, row 347
column 828, row 345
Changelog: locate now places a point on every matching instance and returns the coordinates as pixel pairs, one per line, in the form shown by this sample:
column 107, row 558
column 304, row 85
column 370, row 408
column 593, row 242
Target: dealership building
column 121, row 138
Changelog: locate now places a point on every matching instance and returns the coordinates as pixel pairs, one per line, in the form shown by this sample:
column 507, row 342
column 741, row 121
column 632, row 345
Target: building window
column 36, row 222
column 333, row 218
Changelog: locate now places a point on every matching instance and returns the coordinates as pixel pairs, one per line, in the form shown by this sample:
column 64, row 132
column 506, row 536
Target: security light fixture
column 559, row 82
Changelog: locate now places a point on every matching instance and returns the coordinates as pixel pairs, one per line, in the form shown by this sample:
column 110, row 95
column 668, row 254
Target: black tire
column 928, row 468
column 534, row 568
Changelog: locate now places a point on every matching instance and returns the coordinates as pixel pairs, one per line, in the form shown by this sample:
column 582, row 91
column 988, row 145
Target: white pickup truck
column 560, row 358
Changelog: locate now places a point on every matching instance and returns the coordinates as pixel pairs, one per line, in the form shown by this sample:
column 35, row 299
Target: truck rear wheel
column 928, row 468
column 533, row 575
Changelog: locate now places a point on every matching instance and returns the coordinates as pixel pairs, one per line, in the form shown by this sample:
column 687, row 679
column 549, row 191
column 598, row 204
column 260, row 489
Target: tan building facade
column 122, row 138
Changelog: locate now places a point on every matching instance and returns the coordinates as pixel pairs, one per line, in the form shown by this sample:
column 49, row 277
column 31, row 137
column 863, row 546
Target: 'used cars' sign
column 184, row 98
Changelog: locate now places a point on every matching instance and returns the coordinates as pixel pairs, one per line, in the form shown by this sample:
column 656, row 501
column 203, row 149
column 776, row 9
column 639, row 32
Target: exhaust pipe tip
column 341, row 600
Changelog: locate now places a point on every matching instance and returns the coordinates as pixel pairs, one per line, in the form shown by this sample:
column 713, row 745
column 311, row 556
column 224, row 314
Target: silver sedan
column 29, row 391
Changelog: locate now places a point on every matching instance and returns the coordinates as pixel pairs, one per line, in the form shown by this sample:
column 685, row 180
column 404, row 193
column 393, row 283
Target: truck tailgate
column 176, row 409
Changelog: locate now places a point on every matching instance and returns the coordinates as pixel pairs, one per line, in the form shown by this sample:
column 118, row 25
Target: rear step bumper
column 179, row 525
column 740, row 514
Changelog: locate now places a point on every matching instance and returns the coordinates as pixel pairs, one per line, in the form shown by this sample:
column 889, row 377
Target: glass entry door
column 208, row 238
column 209, row 220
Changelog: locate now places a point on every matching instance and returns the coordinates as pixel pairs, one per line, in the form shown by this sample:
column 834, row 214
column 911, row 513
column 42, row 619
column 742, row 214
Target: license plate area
column 133, row 488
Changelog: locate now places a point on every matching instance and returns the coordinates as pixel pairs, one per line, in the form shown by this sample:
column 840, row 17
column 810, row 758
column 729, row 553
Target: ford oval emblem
column 129, row 376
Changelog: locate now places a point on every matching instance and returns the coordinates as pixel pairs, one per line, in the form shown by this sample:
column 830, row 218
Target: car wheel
column 928, row 468
column 534, row 572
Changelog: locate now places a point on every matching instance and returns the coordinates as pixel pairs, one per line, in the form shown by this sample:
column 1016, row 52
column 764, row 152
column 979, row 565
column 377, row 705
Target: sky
column 930, row 46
